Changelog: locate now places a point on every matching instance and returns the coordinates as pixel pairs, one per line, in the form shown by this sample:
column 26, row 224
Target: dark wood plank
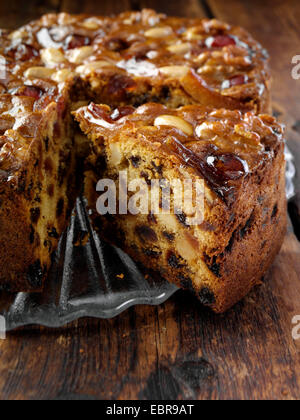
column 14, row 13
column 177, row 350
column 95, row 7
column 186, row 8
column 276, row 25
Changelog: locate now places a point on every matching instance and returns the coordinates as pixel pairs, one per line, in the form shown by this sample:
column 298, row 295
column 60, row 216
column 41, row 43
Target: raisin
column 212, row 265
column 174, row 261
column 146, row 177
column 206, row 296
column 135, row 160
column 53, row 233
column 46, row 141
column 215, row 268
column 48, row 244
column 60, row 207
column 182, row 219
column 150, row 253
column 158, row 168
column 31, row 236
column 166, row 93
column 185, row 282
column 50, row 190
column 247, row 226
column 145, row 233
column 35, row 274
column 169, row 236
column 151, row 218
column 48, row 165
column 229, row 247
column 274, row 211
column 35, row 214
column 100, row 164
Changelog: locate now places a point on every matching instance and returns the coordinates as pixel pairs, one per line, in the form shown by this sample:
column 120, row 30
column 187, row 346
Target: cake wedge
column 240, row 160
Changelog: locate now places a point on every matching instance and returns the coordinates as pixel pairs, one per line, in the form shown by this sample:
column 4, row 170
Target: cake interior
column 204, row 256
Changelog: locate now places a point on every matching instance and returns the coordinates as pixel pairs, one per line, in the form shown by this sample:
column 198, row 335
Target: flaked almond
column 19, row 34
column 174, row 71
column 193, row 33
column 52, row 56
column 39, row 72
column 89, row 68
column 62, row 75
column 181, row 48
column 161, row 32
column 91, row 24
column 78, row 55
column 176, row 122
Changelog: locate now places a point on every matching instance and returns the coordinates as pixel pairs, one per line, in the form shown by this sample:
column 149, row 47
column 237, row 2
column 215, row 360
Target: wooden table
column 178, row 350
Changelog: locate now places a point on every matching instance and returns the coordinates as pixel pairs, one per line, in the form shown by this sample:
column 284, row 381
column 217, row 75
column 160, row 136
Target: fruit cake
column 37, row 190
column 139, row 57
column 240, row 159
column 61, row 62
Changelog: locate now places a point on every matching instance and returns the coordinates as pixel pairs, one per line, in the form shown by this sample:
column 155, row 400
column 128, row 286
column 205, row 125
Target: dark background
column 179, row 350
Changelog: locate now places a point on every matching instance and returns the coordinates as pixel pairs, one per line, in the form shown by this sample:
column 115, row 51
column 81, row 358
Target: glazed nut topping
column 89, row 68
column 207, row 130
column 52, row 56
column 176, row 122
column 193, row 34
column 91, row 24
column 39, row 72
column 78, row 55
column 250, row 137
column 61, row 75
column 182, row 48
column 18, row 34
column 174, row 71
column 162, row 32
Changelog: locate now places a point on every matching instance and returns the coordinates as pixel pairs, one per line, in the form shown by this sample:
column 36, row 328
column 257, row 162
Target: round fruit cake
column 61, row 62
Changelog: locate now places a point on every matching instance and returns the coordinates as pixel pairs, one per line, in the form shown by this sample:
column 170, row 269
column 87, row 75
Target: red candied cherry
column 33, row 92
column 121, row 112
column 76, row 41
column 23, row 52
column 238, row 80
column 235, row 81
column 220, row 41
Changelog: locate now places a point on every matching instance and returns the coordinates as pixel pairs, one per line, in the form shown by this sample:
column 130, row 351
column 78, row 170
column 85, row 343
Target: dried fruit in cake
column 240, row 159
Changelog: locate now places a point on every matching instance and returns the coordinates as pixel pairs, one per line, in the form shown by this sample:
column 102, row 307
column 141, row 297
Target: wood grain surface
column 178, row 350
